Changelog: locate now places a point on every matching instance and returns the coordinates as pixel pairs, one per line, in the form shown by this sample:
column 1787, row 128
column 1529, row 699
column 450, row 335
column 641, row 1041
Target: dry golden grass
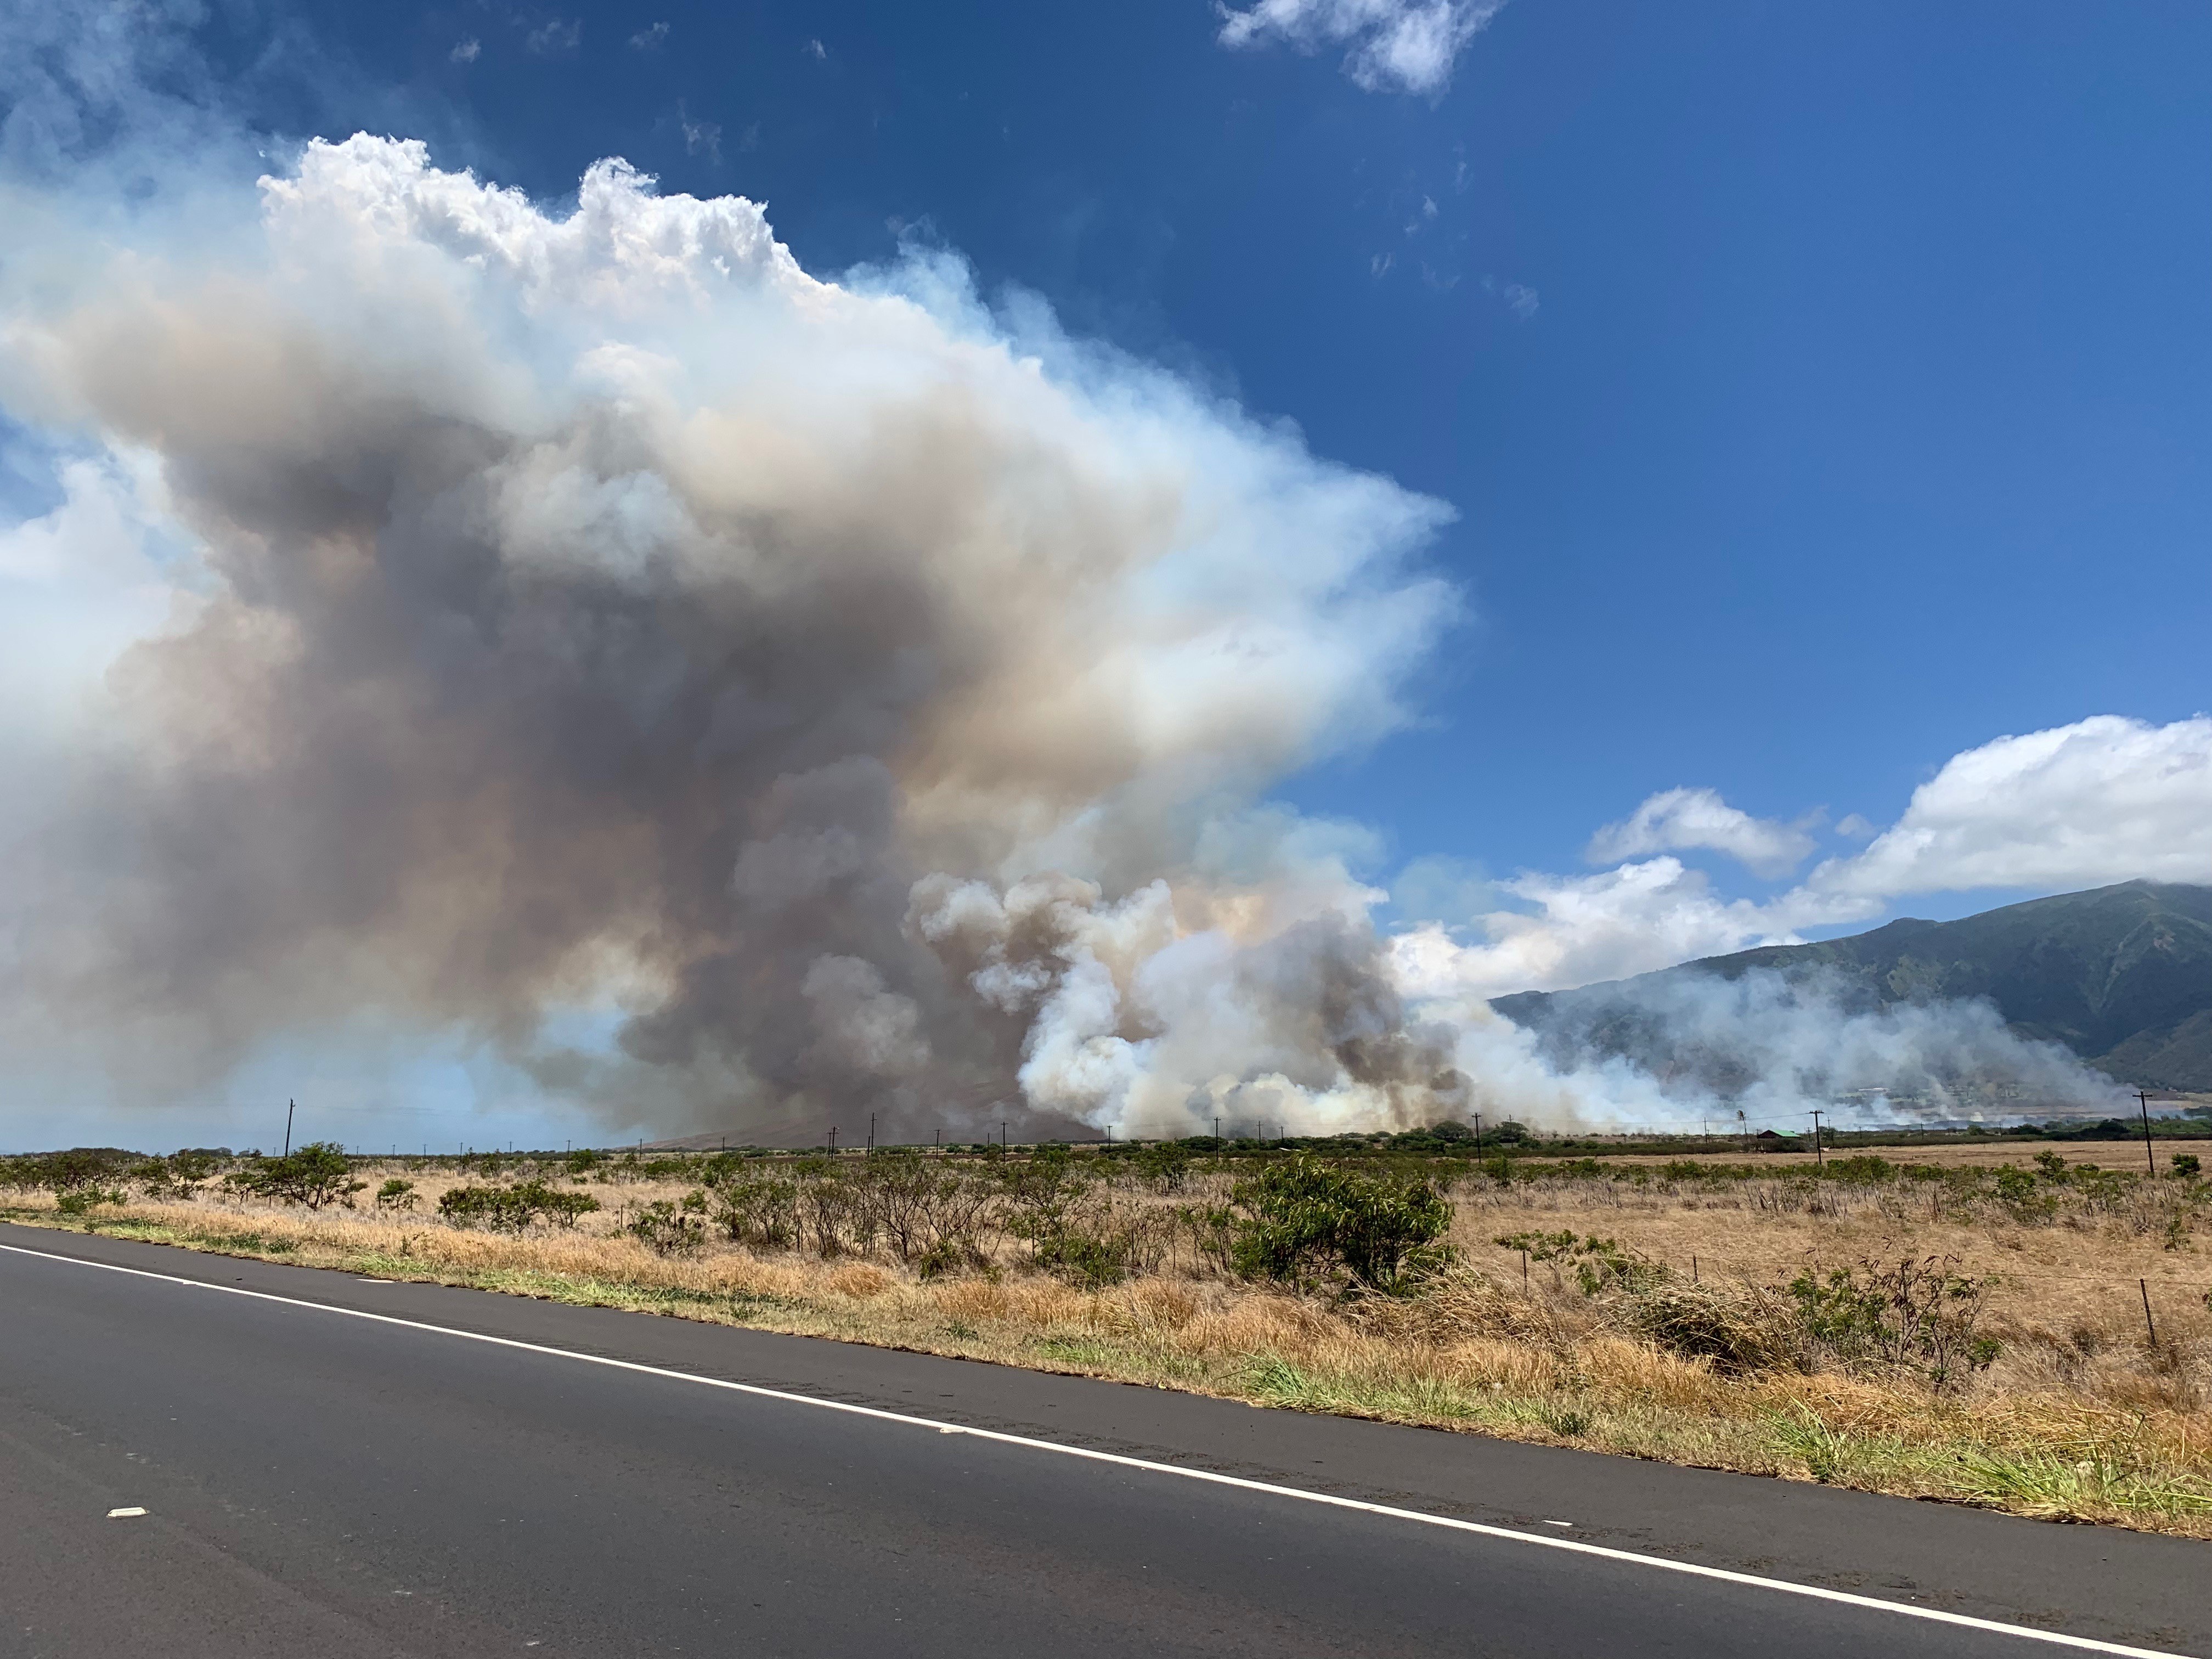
column 1957, row 1155
column 2079, row 1417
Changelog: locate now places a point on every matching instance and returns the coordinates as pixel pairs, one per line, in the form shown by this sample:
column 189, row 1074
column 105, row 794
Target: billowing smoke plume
column 865, row 694
column 739, row 700
column 1772, row 1046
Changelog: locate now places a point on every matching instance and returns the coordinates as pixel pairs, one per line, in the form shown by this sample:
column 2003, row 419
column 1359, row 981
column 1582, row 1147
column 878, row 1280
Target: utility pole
column 290, row 1107
column 872, row 1131
column 1820, row 1155
column 833, row 1141
column 1743, row 1129
column 1478, row 1137
column 1217, row 1134
column 2143, row 1099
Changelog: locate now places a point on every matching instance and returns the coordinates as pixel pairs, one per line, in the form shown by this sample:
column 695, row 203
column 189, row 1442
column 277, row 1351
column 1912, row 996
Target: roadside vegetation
column 2034, row 1332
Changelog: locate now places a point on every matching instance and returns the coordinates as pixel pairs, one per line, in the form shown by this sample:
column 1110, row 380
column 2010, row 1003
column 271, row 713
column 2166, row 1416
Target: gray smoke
column 863, row 696
column 734, row 699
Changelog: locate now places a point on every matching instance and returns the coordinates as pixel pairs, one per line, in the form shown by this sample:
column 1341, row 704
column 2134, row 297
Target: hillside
column 2121, row 976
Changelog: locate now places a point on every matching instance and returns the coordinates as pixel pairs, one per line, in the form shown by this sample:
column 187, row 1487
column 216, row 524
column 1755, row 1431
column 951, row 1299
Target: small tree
column 316, row 1175
column 181, row 1174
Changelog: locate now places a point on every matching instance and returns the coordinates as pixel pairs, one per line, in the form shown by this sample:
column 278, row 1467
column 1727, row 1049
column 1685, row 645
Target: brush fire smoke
column 870, row 695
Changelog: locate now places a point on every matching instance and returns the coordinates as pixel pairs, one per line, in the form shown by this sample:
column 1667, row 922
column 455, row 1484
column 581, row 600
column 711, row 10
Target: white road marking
column 1816, row 1592
column 120, row 1515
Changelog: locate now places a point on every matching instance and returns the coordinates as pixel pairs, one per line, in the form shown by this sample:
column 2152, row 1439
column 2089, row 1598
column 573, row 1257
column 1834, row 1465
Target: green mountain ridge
column 2120, row 976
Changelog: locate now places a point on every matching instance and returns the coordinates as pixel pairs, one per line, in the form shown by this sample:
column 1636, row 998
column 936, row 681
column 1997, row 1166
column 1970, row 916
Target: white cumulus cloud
column 1685, row 820
column 2105, row 799
column 1395, row 46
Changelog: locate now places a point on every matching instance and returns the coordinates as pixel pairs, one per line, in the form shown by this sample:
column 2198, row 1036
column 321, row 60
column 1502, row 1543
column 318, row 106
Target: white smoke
column 869, row 693
column 461, row 621
column 1703, row 1046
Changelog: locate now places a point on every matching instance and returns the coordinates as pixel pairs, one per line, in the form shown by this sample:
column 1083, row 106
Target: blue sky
column 1861, row 414
column 1820, row 395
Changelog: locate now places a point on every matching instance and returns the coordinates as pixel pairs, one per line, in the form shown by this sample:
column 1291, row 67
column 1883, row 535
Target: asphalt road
column 316, row 1484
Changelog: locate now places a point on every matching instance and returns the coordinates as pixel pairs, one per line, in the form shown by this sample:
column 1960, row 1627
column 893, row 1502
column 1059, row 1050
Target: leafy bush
column 317, row 1175
column 1307, row 1222
column 762, row 1213
column 671, row 1229
column 397, row 1194
column 1212, row 1230
column 2016, row 1189
column 1165, row 1164
column 510, row 1209
column 65, row 1172
column 180, row 1176
column 1861, row 1169
column 82, row 1201
column 828, row 1206
column 2186, row 1166
column 1918, row 1315
column 919, row 1208
column 1090, row 1257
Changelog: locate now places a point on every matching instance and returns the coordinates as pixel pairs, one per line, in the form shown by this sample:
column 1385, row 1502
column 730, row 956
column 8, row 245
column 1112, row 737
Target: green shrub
column 1861, row 1169
column 316, row 1175
column 1307, row 1222
column 2017, row 1190
column 762, row 1213
column 1089, row 1257
column 1918, row 1315
column 671, row 1229
column 82, row 1201
column 512, row 1209
column 180, row 1176
column 916, row 1206
column 2186, row 1166
column 1212, row 1230
column 1165, row 1164
column 65, row 1172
